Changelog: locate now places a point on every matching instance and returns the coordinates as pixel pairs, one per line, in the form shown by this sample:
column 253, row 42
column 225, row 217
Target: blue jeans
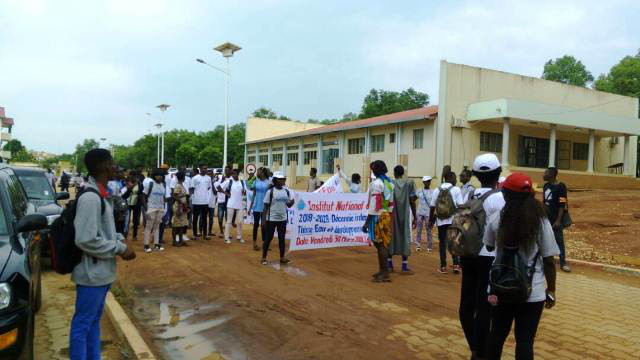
column 84, row 340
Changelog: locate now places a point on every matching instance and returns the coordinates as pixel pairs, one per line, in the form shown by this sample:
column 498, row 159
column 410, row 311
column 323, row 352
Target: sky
column 71, row 70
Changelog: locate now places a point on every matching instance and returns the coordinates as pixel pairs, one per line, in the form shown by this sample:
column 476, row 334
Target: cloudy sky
column 71, row 70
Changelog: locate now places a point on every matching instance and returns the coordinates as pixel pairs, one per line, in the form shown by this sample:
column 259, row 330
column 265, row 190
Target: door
column 533, row 152
column 563, row 154
column 328, row 156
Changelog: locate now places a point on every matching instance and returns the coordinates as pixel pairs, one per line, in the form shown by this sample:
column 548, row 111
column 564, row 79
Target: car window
column 17, row 196
column 37, row 187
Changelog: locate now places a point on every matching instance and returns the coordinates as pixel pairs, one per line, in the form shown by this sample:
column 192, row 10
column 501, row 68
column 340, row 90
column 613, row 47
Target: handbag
column 566, row 220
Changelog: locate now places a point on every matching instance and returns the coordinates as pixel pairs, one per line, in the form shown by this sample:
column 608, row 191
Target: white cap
column 279, row 175
column 426, row 178
column 486, row 163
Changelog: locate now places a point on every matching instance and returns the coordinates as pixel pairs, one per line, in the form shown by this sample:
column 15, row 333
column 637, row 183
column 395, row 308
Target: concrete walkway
column 54, row 319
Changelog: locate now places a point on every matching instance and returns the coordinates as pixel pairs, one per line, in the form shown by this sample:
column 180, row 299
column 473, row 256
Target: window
column 330, row 143
column 310, row 146
column 418, row 138
column 310, row 155
column 292, row 147
column 292, row 157
column 580, row 151
column 490, row 142
column 277, row 149
column 264, row 150
column 251, row 159
column 377, row 143
column 392, row 138
column 264, row 160
column 276, row 158
column 356, row 146
column 18, row 198
column 328, row 157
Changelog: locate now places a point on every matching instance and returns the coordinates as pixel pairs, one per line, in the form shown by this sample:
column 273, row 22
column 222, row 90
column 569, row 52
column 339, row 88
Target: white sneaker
column 241, row 241
column 158, row 248
column 147, row 249
column 185, row 238
column 227, row 241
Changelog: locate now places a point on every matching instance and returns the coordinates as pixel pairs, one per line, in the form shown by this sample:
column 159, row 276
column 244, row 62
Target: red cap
column 518, row 182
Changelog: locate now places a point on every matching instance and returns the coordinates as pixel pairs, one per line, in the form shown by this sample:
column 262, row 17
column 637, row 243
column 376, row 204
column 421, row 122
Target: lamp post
column 227, row 50
column 163, row 108
column 159, row 127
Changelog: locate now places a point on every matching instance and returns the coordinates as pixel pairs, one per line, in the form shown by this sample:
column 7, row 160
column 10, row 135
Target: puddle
column 288, row 269
column 193, row 333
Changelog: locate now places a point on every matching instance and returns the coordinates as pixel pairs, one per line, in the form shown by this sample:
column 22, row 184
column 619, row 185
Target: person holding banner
column 260, row 185
column 378, row 224
column 404, row 205
column 276, row 202
column 354, row 183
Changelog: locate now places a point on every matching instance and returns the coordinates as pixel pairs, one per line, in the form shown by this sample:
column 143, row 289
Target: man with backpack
column 483, row 204
column 446, row 198
column 555, row 203
column 96, row 237
column 235, row 189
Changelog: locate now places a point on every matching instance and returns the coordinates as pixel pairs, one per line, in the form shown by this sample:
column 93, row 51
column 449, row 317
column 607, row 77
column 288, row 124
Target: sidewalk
column 53, row 322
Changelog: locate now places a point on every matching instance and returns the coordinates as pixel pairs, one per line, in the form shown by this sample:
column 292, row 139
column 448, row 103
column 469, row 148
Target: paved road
column 53, row 322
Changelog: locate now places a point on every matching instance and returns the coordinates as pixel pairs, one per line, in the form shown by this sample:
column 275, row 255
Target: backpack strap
column 487, row 194
column 90, row 189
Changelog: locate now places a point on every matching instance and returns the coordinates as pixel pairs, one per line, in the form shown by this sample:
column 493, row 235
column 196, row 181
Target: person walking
column 133, row 195
column 314, row 183
column 235, row 190
column 155, row 203
column 200, row 189
column 65, row 179
column 555, row 203
column 404, row 206
column 378, row 224
column 260, row 186
column 521, row 230
column 467, row 188
column 424, row 201
column 96, row 237
column 213, row 203
column 446, row 198
column 180, row 223
column 474, row 308
column 222, row 198
column 276, row 202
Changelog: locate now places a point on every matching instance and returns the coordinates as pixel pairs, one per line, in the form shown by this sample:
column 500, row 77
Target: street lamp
column 163, row 108
column 102, row 140
column 159, row 126
column 227, row 50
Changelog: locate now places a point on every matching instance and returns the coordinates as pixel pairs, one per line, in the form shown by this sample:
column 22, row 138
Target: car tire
column 27, row 350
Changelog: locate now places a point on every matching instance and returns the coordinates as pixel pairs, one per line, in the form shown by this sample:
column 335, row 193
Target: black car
column 20, row 291
column 41, row 194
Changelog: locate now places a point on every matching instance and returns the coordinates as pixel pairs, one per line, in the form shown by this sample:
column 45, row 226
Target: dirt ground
column 606, row 227
column 213, row 301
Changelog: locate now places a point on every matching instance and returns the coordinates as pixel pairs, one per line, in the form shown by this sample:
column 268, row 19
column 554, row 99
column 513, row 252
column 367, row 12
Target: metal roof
column 429, row 112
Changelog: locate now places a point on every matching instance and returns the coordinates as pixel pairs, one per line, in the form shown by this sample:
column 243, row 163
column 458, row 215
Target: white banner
column 333, row 185
column 327, row 220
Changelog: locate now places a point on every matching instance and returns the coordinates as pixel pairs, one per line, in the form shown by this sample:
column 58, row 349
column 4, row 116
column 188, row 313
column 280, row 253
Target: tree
column 13, row 146
column 22, row 156
column 265, row 113
column 382, row 102
column 567, row 70
column 623, row 78
column 81, row 151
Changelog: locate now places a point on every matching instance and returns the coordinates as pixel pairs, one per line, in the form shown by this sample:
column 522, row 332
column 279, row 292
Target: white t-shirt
column 201, row 186
column 237, row 187
column 222, row 197
column 492, row 205
column 155, row 196
column 278, row 210
column 146, row 182
column 424, row 204
column 546, row 242
column 167, row 182
column 456, row 194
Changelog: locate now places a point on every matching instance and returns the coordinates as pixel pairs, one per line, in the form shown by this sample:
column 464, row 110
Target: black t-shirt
column 555, row 198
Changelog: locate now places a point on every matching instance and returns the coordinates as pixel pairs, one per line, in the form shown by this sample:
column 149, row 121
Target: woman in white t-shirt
column 521, row 225
column 235, row 190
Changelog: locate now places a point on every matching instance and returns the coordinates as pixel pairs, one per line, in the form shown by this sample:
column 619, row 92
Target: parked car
column 20, row 290
column 42, row 196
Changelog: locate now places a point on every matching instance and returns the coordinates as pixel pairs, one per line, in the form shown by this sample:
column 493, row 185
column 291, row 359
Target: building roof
column 429, row 112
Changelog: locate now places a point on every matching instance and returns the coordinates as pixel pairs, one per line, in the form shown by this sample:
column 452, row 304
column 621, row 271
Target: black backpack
column 65, row 255
column 510, row 277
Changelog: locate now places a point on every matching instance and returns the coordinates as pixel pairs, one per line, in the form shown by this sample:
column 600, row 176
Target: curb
column 127, row 330
column 606, row 267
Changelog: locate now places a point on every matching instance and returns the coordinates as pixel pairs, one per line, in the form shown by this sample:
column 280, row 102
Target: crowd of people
column 514, row 231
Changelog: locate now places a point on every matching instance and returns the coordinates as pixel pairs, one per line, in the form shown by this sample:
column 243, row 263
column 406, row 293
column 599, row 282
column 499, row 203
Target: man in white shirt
column 200, row 189
column 235, row 190
column 467, row 188
column 474, row 308
column 221, row 199
column 442, row 209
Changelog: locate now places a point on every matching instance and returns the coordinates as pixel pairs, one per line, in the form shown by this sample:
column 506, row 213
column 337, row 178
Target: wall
column 258, row 128
column 462, row 85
